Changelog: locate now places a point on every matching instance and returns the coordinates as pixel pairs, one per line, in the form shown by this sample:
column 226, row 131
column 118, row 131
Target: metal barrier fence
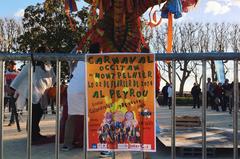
column 58, row 57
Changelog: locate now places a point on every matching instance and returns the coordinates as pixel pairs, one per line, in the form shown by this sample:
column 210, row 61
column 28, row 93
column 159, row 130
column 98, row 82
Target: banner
column 120, row 102
column 219, row 68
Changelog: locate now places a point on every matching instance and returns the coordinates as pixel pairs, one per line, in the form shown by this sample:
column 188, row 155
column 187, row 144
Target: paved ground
column 15, row 142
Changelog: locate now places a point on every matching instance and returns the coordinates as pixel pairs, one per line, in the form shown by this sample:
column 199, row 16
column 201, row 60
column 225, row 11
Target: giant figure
column 118, row 28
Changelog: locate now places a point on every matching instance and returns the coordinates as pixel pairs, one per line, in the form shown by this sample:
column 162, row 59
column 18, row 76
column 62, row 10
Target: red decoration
column 120, row 25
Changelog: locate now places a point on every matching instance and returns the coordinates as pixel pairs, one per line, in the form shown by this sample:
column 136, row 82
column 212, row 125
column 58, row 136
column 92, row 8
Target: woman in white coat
column 43, row 79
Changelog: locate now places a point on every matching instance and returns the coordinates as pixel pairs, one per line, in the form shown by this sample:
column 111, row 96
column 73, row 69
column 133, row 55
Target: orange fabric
column 71, row 23
column 52, row 91
column 67, row 9
column 170, row 33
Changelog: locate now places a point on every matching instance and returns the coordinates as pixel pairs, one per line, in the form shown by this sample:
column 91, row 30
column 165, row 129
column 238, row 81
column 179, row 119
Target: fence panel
column 58, row 57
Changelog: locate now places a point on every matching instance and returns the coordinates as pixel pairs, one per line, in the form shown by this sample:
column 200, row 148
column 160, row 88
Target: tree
column 184, row 41
column 235, row 37
column 194, row 38
column 1, row 35
column 10, row 30
column 49, row 25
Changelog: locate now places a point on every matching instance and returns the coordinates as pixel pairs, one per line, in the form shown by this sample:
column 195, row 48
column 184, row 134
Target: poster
column 120, row 102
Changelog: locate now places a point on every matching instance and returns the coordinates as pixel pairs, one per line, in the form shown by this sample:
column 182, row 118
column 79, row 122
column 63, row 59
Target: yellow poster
column 120, row 102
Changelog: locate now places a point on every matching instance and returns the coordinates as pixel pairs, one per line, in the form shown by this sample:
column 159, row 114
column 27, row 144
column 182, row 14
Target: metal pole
column 2, row 64
column 85, row 135
column 159, row 57
column 58, row 83
column 114, row 155
column 29, row 135
column 235, row 115
column 173, row 122
column 204, row 106
column 85, row 122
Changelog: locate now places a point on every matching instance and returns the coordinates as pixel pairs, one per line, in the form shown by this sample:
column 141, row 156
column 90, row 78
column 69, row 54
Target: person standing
column 76, row 100
column 218, row 91
column 43, row 79
column 165, row 94
column 170, row 93
column 227, row 93
column 196, row 91
column 210, row 93
column 10, row 75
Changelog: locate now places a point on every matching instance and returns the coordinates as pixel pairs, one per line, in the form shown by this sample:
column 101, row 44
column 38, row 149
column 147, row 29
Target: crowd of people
column 219, row 95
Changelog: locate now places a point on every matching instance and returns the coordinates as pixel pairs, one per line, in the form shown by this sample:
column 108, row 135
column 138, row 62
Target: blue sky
column 15, row 8
column 206, row 10
column 215, row 11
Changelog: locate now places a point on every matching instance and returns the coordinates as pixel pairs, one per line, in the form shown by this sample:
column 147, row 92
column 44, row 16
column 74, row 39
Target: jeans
column 37, row 113
column 14, row 113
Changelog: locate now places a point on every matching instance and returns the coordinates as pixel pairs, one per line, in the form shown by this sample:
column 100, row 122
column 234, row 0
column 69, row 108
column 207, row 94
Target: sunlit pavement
column 15, row 143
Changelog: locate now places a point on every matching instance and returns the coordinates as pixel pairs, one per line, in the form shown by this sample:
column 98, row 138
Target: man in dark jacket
column 195, row 94
column 165, row 94
column 227, row 94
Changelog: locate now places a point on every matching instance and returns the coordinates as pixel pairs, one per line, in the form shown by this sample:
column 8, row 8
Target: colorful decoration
column 153, row 21
column 118, row 28
column 70, row 6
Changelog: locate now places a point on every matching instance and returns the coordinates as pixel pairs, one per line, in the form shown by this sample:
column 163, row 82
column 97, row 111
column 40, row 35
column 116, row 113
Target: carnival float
column 116, row 24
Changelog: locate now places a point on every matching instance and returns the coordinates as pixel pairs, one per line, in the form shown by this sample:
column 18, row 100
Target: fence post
column 85, row 144
column 204, row 105
column 173, row 121
column 235, row 115
column 29, row 129
column 58, row 94
column 2, row 64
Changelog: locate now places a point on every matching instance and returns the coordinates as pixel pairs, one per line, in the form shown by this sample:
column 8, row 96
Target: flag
column 70, row 6
column 219, row 68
